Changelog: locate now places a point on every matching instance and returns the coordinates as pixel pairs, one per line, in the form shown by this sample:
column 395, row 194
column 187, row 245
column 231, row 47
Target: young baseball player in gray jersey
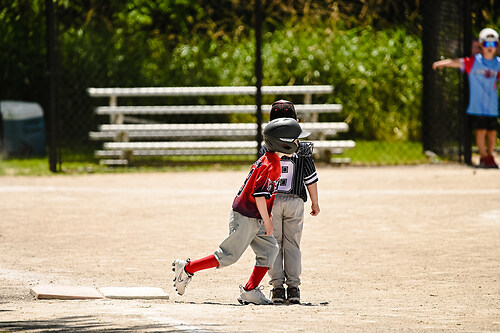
column 297, row 173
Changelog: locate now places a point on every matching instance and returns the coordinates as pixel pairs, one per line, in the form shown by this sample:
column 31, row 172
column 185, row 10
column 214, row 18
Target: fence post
column 52, row 112
column 467, row 45
column 442, row 95
column 258, row 72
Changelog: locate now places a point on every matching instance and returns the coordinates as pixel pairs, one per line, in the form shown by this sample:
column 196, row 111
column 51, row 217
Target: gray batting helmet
column 281, row 133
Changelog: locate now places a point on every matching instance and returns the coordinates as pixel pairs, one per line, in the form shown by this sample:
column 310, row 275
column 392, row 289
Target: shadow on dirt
column 84, row 324
column 238, row 305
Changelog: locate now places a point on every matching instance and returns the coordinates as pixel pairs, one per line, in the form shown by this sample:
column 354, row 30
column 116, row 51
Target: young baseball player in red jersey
column 250, row 222
column 298, row 172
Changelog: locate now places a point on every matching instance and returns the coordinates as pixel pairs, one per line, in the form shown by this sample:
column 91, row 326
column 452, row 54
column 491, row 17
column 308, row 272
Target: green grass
column 24, row 167
column 79, row 164
column 365, row 153
column 386, row 153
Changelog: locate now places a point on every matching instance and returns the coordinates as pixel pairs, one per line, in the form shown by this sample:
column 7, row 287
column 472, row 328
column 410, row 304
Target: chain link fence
column 90, row 60
column 446, row 35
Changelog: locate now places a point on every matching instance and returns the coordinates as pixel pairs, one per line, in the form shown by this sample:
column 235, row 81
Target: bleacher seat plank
column 213, row 145
column 185, row 152
column 210, row 109
column 209, row 91
column 150, row 131
column 215, row 126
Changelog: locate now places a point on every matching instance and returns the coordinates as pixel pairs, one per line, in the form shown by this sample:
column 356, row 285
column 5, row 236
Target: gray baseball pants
column 288, row 222
column 245, row 231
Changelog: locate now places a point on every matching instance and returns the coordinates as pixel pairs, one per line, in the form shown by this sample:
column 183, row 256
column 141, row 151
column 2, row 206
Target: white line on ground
column 157, row 315
column 65, row 189
column 28, row 277
column 413, row 192
column 20, row 189
column 493, row 216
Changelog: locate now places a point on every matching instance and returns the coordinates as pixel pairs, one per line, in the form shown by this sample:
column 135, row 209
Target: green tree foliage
column 368, row 49
column 22, row 45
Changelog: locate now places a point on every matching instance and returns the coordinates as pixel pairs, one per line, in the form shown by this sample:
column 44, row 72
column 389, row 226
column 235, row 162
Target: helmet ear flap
column 289, row 147
column 268, row 143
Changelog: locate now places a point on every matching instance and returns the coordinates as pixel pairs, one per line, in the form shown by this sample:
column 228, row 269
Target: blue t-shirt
column 483, row 75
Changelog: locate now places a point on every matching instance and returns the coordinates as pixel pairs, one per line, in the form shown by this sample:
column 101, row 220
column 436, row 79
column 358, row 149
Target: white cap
column 488, row 35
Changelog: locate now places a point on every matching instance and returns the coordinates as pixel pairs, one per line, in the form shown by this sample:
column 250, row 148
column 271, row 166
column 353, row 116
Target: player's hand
column 268, row 224
column 314, row 209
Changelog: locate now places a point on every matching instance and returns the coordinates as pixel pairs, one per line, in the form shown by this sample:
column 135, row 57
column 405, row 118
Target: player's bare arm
column 262, row 207
column 455, row 63
column 313, row 194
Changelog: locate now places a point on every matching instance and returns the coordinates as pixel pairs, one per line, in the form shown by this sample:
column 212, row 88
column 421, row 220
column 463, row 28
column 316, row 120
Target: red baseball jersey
column 262, row 181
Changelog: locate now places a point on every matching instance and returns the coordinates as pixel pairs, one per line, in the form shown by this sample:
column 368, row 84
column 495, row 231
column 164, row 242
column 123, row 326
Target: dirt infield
column 412, row 248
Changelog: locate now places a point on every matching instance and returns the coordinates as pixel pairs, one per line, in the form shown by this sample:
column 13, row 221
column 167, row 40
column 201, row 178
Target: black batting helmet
column 282, row 109
column 280, row 134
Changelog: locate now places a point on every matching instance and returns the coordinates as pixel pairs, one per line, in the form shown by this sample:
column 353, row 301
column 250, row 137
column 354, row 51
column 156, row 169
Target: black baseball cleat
column 278, row 295
column 293, row 295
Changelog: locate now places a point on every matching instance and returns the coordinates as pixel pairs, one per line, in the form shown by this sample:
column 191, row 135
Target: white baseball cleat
column 181, row 277
column 254, row 296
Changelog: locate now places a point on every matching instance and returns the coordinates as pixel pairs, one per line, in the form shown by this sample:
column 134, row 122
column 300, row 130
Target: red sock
column 257, row 276
column 200, row 264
